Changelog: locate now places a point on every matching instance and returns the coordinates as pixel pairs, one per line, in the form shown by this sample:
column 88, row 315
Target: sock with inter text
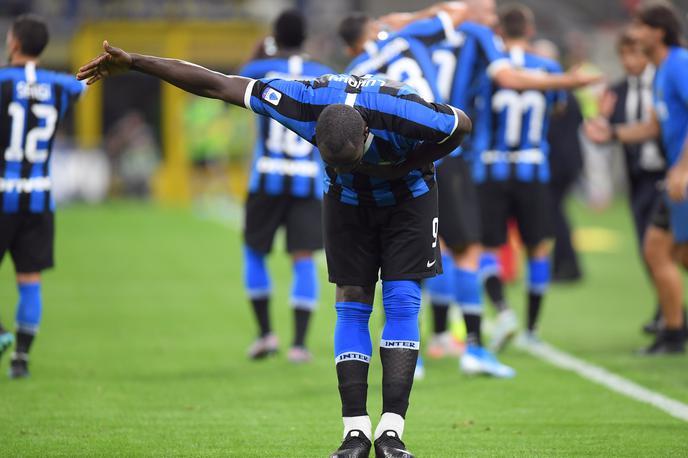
column 304, row 297
column 538, row 282
column 352, row 352
column 257, row 283
column 467, row 290
column 490, row 273
column 399, row 349
column 29, row 312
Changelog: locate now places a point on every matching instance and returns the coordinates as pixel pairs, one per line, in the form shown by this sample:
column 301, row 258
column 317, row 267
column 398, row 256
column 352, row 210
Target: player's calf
column 398, row 353
column 29, row 312
column 304, row 298
column 353, row 350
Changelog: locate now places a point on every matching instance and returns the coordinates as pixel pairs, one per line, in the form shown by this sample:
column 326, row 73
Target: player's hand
column 111, row 62
column 598, row 130
column 580, row 77
column 606, row 104
column 677, row 183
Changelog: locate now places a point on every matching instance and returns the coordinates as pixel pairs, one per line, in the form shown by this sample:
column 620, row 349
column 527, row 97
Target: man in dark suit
column 630, row 100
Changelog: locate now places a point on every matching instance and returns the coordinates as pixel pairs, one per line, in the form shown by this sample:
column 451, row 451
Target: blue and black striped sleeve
column 286, row 101
column 423, row 121
column 430, row 31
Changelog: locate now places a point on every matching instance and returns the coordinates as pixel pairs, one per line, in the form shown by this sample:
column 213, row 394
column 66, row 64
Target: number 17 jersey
column 283, row 162
column 32, row 102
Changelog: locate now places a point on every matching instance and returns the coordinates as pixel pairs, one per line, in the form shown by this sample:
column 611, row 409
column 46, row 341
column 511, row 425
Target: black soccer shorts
column 528, row 202
column 29, row 237
column 399, row 241
column 302, row 218
column 458, row 203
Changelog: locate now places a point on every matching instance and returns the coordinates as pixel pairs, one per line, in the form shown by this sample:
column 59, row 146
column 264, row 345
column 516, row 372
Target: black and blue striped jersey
column 463, row 59
column 404, row 56
column 32, row 102
column 283, row 162
column 398, row 119
column 510, row 130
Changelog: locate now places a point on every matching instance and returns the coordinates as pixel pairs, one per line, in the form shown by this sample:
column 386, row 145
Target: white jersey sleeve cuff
column 456, row 124
column 497, row 65
column 247, row 94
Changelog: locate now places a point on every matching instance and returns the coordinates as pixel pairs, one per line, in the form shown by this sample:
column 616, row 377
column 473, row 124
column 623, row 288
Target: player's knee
column 656, row 247
column 540, row 250
column 350, row 293
column 401, row 299
column 28, row 277
column 467, row 256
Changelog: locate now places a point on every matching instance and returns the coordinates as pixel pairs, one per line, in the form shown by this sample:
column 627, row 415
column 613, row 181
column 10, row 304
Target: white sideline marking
column 607, row 379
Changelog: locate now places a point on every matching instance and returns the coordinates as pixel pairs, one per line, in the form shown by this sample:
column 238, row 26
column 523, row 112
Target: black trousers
column 565, row 264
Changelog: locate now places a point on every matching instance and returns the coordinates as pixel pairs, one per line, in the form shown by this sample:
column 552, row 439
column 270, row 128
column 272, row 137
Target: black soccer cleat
column 19, row 366
column 355, row 445
column 666, row 344
column 390, row 446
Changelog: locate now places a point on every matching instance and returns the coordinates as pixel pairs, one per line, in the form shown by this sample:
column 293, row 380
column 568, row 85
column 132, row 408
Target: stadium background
column 146, row 324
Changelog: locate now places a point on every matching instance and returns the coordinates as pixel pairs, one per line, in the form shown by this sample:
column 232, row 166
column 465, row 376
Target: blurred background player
column 32, row 102
column 658, row 30
column 285, row 190
column 457, row 74
column 630, row 100
column 512, row 169
column 566, row 166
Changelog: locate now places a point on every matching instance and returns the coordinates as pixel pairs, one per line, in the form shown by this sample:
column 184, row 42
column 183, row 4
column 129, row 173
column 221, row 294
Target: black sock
column 534, row 302
column 24, row 341
column 398, row 366
column 495, row 291
column 439, row 315
column 473, row 323
column 353, row 387
column 301, row 318
column 260, row 309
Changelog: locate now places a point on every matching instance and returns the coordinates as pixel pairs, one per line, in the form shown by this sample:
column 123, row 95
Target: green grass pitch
column 142, row 353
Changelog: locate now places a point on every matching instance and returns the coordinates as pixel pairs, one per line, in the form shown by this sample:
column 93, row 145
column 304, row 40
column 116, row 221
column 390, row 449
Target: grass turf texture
column 142, row 352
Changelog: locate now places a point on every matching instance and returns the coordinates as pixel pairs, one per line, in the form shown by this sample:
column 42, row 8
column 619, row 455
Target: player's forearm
column 637, row 132
column 431, row 152
column 520, row 80
column 456, row 12
column 193, row 78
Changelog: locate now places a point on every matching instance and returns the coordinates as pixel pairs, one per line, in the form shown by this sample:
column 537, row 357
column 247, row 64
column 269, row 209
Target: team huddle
column 406, row 168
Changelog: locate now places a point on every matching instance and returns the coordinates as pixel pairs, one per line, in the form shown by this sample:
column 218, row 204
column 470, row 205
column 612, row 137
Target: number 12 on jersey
column 47, row 116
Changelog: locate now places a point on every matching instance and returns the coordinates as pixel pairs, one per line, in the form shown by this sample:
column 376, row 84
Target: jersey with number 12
column 32, row 102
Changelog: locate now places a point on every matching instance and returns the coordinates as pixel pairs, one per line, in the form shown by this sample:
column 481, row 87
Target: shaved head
column 340, row 136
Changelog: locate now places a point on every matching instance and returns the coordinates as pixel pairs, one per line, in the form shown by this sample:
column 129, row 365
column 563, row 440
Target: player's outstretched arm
column 521, row 80
column 185, row 75
column 457, row 12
